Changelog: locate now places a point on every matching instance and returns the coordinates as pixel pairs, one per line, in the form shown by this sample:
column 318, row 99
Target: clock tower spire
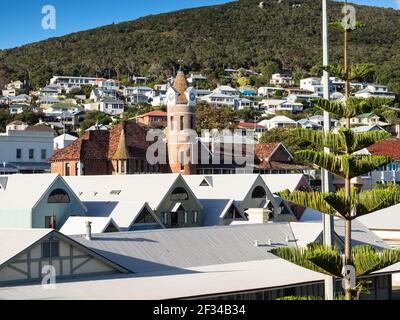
column 181, row 138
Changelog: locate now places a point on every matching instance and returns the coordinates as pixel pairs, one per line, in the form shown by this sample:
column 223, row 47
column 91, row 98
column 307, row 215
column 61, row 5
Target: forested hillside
column 285, row 34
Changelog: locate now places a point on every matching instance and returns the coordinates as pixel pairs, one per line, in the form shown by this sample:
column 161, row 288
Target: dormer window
column 204, row 183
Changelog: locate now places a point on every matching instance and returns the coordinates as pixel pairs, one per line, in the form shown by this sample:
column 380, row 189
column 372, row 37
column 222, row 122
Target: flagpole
column 328, row 223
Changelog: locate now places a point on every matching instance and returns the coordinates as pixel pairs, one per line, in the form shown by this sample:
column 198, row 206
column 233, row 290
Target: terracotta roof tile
column 389, row 148
column 155, row 113
column 102, row 145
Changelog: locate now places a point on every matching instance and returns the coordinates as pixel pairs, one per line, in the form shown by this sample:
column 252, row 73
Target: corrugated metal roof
column 175, row 249
column 210, row 280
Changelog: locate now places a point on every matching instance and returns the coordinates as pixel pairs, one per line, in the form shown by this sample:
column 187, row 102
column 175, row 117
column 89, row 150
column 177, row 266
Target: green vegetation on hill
column 237, row 34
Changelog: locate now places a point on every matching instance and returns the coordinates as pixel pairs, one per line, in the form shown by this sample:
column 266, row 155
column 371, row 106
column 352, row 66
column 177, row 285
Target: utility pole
column 328, row 221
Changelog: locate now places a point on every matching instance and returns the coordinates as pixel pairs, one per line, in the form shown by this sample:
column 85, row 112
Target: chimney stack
column 88, row 230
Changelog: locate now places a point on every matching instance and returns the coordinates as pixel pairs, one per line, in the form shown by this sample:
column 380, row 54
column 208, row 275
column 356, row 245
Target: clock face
column 192, row 96
column 171, row 97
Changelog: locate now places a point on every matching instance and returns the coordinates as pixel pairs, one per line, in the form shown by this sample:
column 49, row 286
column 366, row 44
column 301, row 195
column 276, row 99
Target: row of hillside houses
column 111, row 97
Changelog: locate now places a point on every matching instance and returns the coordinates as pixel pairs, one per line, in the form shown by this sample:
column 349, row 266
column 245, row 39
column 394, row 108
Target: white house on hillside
column 274, row 105
column 279, row 79
column 227, row 90
column 373, row 90
column 278, row 122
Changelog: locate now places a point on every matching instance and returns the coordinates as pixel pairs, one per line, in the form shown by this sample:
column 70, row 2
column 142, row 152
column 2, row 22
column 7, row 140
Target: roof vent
column 269, row 242
column 88, row 230
column 287, row 239
column 256, row 244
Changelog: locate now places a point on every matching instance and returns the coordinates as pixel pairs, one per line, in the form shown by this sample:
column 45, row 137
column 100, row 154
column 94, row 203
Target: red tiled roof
column 102, row 145
column 155, row 113
column 249, row 125
column 264, row 151
column 389, row 148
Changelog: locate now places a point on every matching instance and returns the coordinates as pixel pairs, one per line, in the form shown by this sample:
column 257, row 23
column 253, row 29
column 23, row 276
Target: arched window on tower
column 58, row 196
column 182, row 124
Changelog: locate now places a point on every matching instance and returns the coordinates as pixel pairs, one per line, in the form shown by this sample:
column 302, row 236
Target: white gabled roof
column 281, row 119
column 216, row 209
column 132, row 188
column 65, row 137
column 23, row 191
column 388, row 219
column 279, row 182
column 77, row 225
column 14, row 241
column 125, row 213
column 223, row 186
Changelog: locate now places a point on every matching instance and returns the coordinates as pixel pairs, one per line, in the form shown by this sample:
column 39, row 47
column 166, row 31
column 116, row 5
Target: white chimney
column 269, row 242
column 256, row 243
column 88, row 230
column 287, row 238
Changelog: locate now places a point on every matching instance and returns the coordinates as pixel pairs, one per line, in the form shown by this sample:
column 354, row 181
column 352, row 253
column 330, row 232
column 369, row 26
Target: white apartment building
column 25, row 149
column 141, row 90
column 279, row 79
column 69, row 82
column 313, row 85
column 108, row 84
column 111, row 106
column 227, row 90
column 373, row 90
column 220, row 100
column 269, row 91
column 274, row 105
column 278, row 122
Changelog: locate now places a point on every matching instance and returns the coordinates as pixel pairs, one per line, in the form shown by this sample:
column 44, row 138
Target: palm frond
column 373, row 200
column 330, row 162
column 321, row 138
column 367, row 259
column 366, row 139
column 335, row 70
column 314, row 200
column 326, row 258
column 301, row 257
column 354, row 165
column 361, row 71
column 346, row 166
column 351, row 107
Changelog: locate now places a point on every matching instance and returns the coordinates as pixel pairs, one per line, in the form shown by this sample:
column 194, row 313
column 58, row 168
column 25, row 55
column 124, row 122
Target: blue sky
column 22, row 21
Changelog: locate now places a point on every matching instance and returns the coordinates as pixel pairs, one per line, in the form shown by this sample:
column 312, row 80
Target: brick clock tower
column 182, row 142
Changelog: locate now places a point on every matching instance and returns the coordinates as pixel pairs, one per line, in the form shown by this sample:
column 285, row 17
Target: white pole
column 328, row 223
